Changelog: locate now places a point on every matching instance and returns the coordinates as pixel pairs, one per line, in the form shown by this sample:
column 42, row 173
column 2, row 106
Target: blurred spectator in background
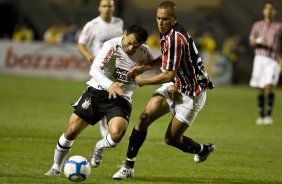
column 54, row 34
column 71, row 34
column 99, row 30
column 153, row 40
column 22, row 33
column 207, row 46
column 232, row 48
column 95, row 33
column 266, row 38
column 207, row 43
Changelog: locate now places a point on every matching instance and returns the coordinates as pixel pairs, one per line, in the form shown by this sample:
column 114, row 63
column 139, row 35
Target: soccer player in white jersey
column 108, row 94
column 265, row 37
column 95, row 33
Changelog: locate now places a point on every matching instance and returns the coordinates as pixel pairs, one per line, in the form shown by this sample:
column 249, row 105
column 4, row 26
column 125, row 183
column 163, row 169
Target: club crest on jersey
column 120, row 75
column 86, row 104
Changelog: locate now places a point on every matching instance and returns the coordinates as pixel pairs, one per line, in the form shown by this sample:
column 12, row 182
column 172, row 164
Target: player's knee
column 117, row 135
column 144, row 121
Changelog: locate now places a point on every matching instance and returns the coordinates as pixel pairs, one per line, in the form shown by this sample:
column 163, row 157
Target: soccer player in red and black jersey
column 183, row 93
column 266, row 38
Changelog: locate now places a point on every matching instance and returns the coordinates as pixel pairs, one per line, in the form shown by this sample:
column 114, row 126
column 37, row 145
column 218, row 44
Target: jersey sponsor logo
column 120, row 75
column 110, row 52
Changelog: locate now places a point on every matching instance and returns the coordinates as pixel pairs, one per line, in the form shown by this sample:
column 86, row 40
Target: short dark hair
column 140, row 33
column 269, row 2
column 168, row 4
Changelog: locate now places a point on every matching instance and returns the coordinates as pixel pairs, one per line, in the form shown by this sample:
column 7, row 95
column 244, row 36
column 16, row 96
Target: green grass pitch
column 34, row 112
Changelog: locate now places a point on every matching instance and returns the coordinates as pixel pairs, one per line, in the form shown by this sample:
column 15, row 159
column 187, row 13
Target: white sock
column 202, row 148
column 106, row 142
column 62, row 149
column 131, row 159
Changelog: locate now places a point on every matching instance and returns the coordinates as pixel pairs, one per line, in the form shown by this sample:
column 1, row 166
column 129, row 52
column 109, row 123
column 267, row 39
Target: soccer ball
column 77, row 168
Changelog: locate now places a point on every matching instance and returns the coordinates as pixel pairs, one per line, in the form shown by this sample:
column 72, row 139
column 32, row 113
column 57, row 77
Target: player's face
column 165, row 19
column 130, row 44
column 269, row 11
column 106, row 8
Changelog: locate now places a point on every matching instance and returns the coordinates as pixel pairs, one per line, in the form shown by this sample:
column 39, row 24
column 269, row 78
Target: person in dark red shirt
column 266, row 38
column 184, row 91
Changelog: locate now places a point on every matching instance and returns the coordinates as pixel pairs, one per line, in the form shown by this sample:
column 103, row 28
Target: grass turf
column 34, row 112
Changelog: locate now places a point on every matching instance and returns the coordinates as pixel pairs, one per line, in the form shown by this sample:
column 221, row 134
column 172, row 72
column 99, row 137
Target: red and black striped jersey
column 179, row 53
column 270, row 35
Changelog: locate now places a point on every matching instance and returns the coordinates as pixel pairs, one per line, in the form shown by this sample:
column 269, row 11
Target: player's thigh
column 272, row 72
column 75, row 127
column 158, row 105
column 188, row 110
column 155, row 108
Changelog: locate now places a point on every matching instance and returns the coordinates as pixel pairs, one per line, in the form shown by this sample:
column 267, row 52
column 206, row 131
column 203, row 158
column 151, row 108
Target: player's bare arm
column 166, row 76
column 85, row 53
column 137, row 70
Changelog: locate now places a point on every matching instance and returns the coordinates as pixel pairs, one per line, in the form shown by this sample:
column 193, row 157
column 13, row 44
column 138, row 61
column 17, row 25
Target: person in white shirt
column 100, row 29
column 95, row 33
column 108, row 94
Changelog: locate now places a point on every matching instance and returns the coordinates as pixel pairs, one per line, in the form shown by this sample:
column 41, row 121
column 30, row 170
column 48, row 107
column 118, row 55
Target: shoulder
column 258, row 23
column 117, row 20
column 92, row 22
column 180, row 34
column 279, row 24
column 114, row 42
column 145, row 49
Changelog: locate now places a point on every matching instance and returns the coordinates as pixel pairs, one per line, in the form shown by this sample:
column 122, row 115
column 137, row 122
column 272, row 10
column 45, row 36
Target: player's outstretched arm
column 166, row 76
column 137, row 70
column 85, row 53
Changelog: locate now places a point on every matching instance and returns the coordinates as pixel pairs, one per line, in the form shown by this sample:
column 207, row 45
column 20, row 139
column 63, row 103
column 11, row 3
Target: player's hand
column 174, row 94
column 206, row 84
column 90, row 59
column 115, row 89
column 133, row 72
column 139, row 80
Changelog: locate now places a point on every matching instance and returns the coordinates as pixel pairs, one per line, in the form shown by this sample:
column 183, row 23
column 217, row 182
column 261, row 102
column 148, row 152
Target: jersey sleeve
column 98, row 65
column 172, row 53
column 197, row 61
column 85, row 35
column 253, row 35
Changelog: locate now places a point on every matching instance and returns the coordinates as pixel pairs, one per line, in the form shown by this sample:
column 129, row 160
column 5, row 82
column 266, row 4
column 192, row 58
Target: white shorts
column 266, row 71
column 186, row 111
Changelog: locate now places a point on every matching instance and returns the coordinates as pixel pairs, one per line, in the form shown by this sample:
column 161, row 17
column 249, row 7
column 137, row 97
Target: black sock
column 270, row 100
column 129, row 164
column 204, row 151
column 261, row 105
column 190, row 146
column 136, row 140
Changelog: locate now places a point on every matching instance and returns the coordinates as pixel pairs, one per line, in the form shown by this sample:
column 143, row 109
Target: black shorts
column 94, row 104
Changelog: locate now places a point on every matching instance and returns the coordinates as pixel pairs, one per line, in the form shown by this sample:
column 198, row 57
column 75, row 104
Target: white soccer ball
column 77, row 168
